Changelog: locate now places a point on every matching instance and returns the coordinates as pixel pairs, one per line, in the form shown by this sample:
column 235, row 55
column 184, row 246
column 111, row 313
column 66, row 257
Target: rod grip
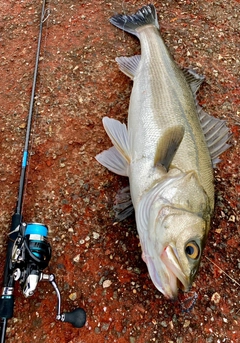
column 76, row 317
column 6, row 306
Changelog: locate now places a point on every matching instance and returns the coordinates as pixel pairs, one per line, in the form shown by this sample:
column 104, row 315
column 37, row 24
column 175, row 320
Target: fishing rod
column 28, row 249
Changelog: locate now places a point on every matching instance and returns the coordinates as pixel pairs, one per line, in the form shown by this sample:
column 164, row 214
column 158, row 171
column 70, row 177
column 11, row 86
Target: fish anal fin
column 168, row 145
column 128, row 65
column 193, row 79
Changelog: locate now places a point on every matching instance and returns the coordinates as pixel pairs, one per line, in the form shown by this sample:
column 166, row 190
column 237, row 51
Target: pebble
column 96, row 235
column 232, row 218
column 76, row 258
column 186, row 323
column 73, row 296
column 216, row 298
column 164, row 323
column 106, row 283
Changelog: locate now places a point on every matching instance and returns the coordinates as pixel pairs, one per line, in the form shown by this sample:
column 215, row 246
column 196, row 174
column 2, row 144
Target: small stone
column 225, row 320
column 164, row 323
column 216, row 298
column 106, row 283
column 76, row 258
column 73, row 296
column 105, row 327
column 96, row 235
column 186, row 323
column 232, row 218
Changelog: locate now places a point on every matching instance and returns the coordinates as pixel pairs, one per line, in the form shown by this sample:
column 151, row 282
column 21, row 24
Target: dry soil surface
column 97, row 262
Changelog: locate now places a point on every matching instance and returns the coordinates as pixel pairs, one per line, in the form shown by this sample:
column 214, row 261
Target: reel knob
column 76, row 317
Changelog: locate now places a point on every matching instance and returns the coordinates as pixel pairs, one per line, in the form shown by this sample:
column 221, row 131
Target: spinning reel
column 31, row 253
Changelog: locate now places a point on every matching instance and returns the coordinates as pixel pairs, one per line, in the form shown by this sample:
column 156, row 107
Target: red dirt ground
column 78, row 84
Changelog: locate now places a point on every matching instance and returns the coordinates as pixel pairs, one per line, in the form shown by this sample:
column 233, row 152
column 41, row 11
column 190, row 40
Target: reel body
column 30, row 256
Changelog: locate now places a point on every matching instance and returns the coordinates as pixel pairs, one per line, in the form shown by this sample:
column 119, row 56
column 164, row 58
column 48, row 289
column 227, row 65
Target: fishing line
column 232, row 279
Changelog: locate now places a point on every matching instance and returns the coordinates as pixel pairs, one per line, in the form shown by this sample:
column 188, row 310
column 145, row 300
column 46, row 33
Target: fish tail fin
column 145, row 16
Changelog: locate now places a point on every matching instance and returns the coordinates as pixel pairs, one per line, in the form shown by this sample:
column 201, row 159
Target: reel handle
column 76, row 317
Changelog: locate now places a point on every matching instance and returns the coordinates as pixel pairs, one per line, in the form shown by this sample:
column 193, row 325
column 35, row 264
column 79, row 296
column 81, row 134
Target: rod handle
column 6, row 306
column 76, row 317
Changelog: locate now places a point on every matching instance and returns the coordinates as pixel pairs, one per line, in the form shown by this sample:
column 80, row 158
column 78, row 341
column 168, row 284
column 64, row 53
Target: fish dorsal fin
column 215, row 130
column 128, row 65
column 216, row 134
column 193, row 79
column 168, row 145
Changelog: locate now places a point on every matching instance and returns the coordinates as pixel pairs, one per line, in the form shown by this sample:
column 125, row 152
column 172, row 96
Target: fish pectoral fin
column 193, row 79
column 168, row 145
column 216, row 134
column 113, row 161
column 128, row 65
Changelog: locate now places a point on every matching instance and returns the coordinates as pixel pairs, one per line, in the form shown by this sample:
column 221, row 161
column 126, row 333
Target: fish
column 168, row 151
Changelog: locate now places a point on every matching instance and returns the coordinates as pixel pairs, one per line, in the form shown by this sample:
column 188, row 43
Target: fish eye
column 192, row 250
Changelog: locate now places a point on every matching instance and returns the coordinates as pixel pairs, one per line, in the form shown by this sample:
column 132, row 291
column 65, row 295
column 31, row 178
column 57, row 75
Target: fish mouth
column 177, row 279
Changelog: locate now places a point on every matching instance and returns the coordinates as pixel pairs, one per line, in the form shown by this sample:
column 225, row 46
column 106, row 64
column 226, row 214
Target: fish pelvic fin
column 168, row 145
column 130, row 23
column 129, row 65
column 193, row 79
column 123, row 207
column 117, row 158
column 113, row 161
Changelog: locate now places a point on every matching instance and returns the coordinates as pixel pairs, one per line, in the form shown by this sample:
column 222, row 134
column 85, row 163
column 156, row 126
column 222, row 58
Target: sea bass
column 168, row 152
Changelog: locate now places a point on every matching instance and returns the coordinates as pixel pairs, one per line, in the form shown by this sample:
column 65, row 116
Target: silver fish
column 168, row 153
